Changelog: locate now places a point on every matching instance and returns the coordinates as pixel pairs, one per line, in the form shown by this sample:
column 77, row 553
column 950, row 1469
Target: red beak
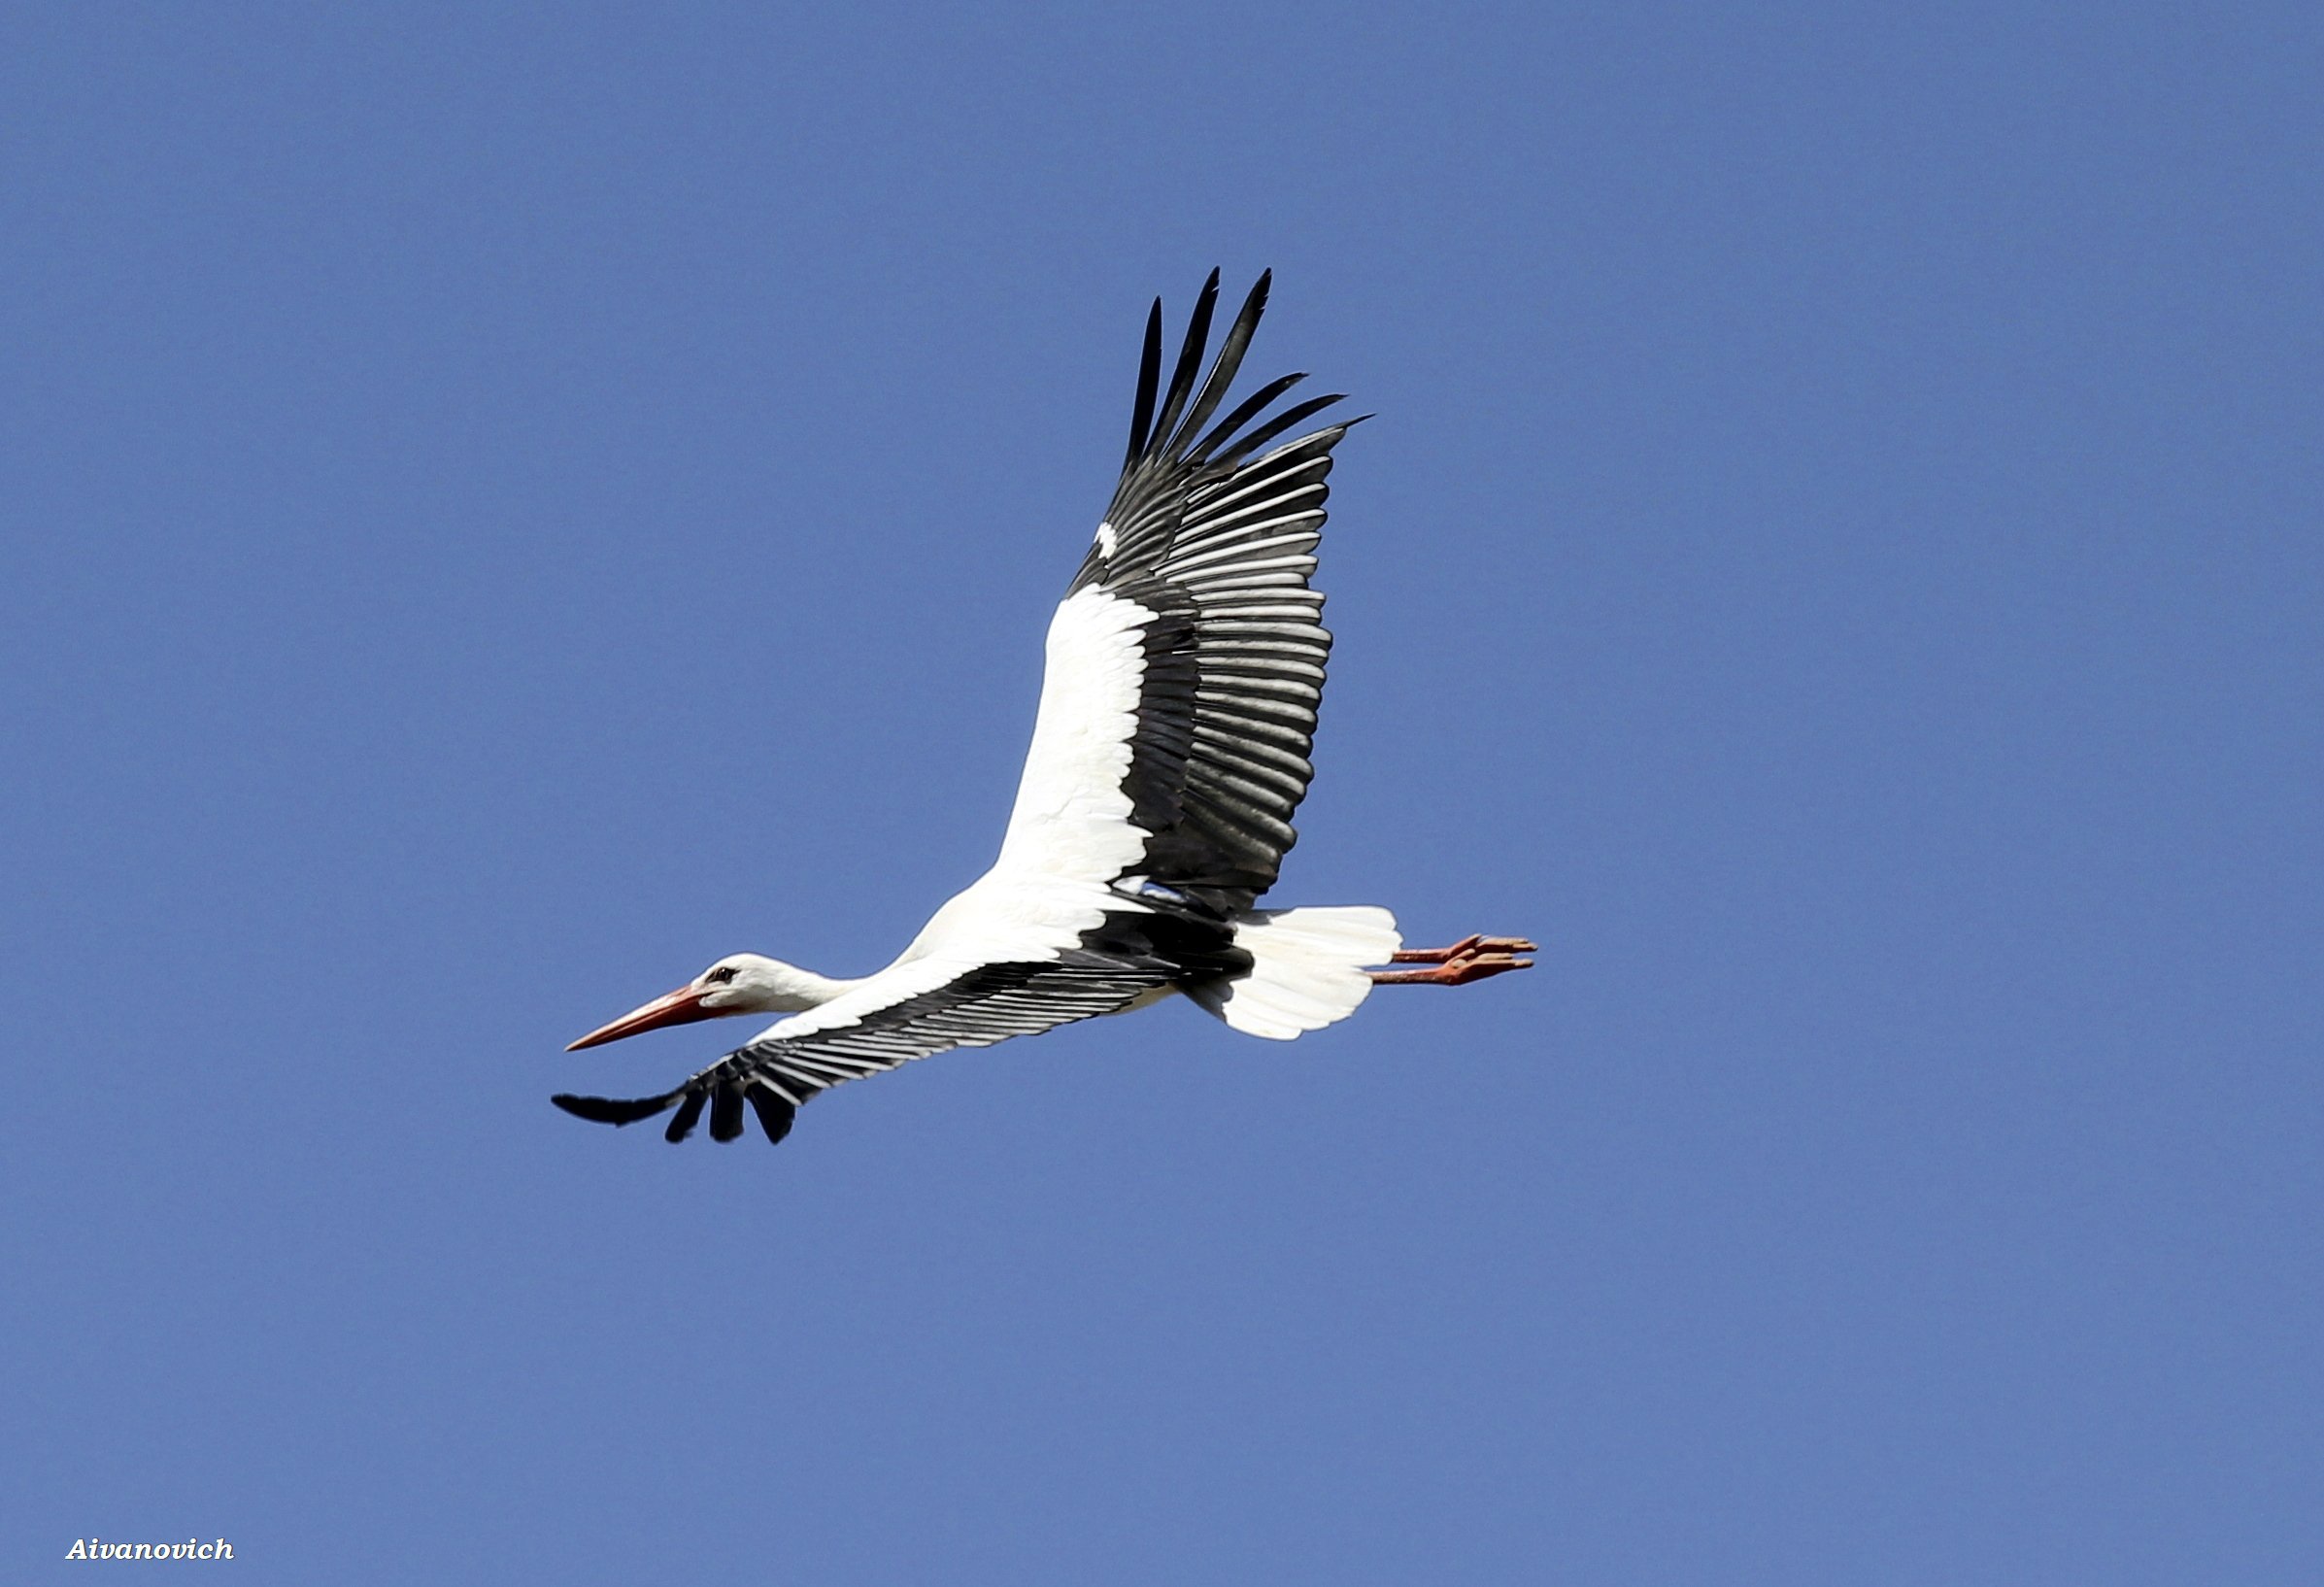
column 680, row 1007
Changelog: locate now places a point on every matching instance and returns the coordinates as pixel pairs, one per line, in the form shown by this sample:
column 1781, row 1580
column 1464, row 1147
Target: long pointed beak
column 680, row 1007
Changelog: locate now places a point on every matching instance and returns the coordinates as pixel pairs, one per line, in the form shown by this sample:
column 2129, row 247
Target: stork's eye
column 721, row 976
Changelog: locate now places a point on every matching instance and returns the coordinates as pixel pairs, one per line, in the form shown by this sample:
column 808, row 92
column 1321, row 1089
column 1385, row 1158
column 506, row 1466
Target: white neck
column 807, row 990
column 768, row 986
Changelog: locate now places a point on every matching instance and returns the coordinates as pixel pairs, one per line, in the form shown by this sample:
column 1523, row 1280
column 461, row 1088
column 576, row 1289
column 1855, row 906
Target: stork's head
column 737, row 984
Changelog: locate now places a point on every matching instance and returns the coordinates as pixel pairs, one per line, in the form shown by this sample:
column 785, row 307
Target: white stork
column 1178, row 707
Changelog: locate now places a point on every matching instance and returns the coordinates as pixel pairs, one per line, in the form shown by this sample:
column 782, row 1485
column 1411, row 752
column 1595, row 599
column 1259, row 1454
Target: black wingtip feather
column 1227, row 364
column 1247, row 409
column 1190, row 359
column 1141, row 417
column 724, row 1102
column 774, row 1115
column 726, row 1112
column 615, row 1111
column 1255, row 442
column 688, row 1113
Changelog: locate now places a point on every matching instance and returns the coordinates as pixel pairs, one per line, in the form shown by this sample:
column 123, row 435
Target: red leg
column 1467, row 945
column 1472, row 959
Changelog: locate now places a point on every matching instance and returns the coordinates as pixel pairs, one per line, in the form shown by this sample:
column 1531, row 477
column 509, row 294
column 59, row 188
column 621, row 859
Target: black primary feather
column 726, row 1111
column 1141, row 416
column 1190, row 359
column 1229, row 360
column 615, row 1111
column 682, row 1123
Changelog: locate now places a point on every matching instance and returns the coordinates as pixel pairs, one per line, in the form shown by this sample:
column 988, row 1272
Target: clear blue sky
column 503, row 505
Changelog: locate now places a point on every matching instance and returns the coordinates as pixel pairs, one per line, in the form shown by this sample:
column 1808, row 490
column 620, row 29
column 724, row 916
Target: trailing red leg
column 1471, row 958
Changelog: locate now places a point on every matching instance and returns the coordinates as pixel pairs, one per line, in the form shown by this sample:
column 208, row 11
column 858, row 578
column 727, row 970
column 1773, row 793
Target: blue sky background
column 505, row 504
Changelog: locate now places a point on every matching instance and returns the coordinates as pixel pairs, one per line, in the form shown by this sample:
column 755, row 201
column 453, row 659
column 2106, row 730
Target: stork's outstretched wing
column 1187, row 661
column 1178, row 707
column 972, row 1006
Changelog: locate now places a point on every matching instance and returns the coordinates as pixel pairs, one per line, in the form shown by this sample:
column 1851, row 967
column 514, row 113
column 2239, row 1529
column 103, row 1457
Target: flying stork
column 1178, row 707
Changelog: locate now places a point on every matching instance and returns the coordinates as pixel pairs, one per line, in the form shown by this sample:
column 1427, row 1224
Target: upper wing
column 1186, row 664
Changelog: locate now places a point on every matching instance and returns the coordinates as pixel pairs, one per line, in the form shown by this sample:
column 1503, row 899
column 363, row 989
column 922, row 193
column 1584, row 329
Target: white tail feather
column 1306, row 969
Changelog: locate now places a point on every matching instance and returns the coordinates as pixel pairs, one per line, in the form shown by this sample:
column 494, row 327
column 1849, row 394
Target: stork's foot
column 1471, row 958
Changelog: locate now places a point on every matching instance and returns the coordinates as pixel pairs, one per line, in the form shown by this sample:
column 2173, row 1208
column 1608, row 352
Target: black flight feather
column 774, row 1115
column 1276, row 425
column 1227, row 364
column 1250, row 409
column 1149, row 380
column 726, row 1111
column 614, row 1109
column 682, row 1123
column 1190, row 359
